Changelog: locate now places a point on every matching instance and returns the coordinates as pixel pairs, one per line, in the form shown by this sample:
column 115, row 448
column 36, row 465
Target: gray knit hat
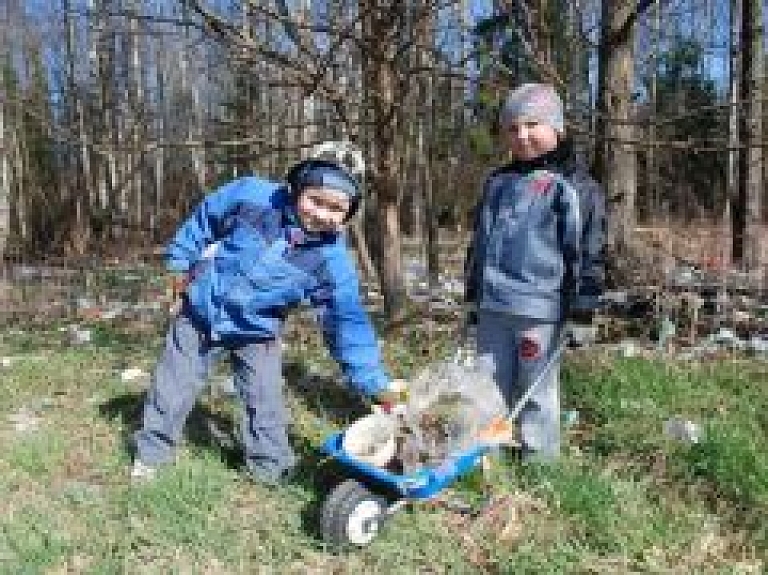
column 538, row 102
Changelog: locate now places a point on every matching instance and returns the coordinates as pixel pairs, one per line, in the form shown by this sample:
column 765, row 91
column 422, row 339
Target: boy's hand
column 581, row 317
column 392, row 399
column 469, row 315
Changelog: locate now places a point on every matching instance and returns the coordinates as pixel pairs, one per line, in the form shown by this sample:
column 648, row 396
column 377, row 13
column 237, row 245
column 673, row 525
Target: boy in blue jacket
column 535, row 260
column 252, row 251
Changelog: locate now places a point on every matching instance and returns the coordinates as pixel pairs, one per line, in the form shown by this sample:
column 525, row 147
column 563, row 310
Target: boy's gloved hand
column 470, row 315
column 581, row 317
column 392, row 399
column 469, row 321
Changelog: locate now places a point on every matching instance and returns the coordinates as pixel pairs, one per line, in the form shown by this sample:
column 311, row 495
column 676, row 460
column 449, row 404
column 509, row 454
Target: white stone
column 132, row 374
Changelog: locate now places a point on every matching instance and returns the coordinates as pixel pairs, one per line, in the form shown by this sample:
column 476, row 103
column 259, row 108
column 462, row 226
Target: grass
column 623, row 498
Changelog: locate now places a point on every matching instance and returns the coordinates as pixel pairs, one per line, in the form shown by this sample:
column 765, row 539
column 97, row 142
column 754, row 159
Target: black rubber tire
column 348, row 517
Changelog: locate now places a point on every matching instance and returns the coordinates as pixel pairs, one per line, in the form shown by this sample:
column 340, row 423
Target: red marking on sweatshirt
column 530, row 348
column 542, row 184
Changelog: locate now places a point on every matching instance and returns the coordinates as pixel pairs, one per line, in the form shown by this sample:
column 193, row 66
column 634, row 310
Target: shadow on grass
column 324, row 396
column 215, row 430
column 316, row 475
column 326, row 399
column 205, row 428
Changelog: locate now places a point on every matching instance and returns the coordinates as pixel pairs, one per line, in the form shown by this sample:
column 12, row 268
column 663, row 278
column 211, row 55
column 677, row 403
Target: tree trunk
column 652, row 201
column 544, row 36
column 357, row 235
column 735, row 206
column 108, row 122
column 392, row 285
column 100, row 123
column 380, row 78
column 385, row 181
column 615, row 159
column 136, row 159
column 190, row 87
column 5, row 189
column 80, row 228
column 160, row 134
column 6, row 94
column 431, row 223
column 751, row 163
column 19, row 176
column 427, row 152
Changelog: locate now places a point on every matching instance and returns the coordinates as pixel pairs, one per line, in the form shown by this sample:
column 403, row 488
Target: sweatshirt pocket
column 528, row 251
column 509, row 240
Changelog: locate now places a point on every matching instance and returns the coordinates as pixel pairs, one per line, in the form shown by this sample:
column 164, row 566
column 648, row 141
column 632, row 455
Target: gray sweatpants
column 520, row 348
column 179, row 378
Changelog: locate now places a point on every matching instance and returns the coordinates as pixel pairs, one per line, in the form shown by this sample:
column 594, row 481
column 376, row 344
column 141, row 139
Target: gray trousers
column 180, row 376
column 520, row 348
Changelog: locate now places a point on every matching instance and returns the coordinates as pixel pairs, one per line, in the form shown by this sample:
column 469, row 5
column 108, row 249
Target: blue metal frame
column 427, row 482
column 422, row 484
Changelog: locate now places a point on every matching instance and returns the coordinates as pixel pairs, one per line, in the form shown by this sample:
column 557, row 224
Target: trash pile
column 451, row 407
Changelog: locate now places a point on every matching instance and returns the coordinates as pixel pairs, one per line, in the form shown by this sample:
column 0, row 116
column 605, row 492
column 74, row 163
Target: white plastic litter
column 132, row 374
column 682, row 430
column 78, row 335
column 24, row 421
column 759, row 343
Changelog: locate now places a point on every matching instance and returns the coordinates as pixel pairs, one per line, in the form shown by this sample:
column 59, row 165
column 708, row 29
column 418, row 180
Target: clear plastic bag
column 450, row 404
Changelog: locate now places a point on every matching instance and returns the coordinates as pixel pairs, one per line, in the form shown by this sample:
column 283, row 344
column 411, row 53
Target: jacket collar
column 554, row 159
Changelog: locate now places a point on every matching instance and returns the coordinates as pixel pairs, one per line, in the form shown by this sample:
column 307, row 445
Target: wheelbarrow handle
column 551, row 361
column 512, row 415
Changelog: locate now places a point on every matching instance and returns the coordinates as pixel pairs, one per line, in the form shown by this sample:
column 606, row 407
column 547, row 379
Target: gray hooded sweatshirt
column 537, row 247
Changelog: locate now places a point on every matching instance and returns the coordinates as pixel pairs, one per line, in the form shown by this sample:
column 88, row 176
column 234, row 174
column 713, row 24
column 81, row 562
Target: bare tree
column 615, row 158
column 5, row 161
column 382, row 36
column 734, row 211
column 747, row 208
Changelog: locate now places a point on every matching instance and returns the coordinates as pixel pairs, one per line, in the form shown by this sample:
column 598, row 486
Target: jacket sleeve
column 347, row 329
column 472, row 266
column 583, row 230
column 475, row 256
column 592, row 279
column 570, row 225
column 200, row 229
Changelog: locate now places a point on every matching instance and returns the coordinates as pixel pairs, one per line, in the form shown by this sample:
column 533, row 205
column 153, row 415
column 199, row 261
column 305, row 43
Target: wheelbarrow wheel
column 351, row 515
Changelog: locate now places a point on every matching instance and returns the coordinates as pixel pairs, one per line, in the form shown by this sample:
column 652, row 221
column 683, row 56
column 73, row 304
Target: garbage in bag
column 451, row 406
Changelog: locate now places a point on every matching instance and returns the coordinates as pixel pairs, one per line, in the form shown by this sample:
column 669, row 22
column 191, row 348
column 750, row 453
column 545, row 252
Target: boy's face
column 528, row 139
column 322, row 209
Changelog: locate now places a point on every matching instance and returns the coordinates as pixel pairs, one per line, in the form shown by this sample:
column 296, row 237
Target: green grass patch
column 623, row 498
column 31, row 543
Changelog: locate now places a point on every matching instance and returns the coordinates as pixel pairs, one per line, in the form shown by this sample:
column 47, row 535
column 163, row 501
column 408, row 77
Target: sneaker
column 141, row 472
column 283, row 479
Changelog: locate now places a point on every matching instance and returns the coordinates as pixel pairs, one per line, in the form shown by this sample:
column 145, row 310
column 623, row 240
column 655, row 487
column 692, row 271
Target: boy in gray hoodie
column 536, row 257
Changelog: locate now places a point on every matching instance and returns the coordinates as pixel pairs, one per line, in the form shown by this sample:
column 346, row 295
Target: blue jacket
column 537, row 248
column 249, row 263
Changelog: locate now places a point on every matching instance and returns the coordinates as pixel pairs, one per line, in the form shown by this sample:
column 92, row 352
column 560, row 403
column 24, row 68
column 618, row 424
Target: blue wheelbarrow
column 355, row 509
